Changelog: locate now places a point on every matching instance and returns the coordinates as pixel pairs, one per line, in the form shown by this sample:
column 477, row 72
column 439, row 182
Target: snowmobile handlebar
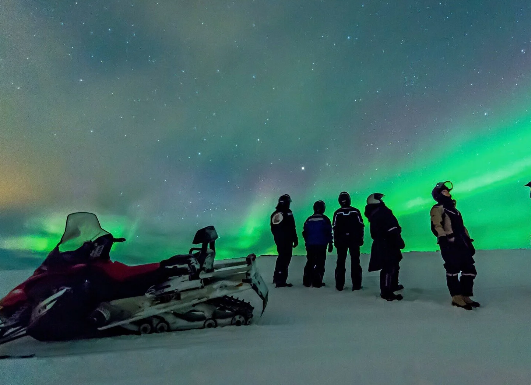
column 117, row 240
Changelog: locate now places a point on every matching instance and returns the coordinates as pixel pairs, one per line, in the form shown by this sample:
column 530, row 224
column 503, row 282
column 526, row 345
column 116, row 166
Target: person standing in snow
column 317, row 234
column 456, row 246
column 529, row 185
column 285, row 235
column 348, row 236
column 386, row 246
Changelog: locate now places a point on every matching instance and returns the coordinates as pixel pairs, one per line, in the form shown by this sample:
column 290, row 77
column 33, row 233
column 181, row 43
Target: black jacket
column 386, row 235
column 283, row 227
column 348, row 227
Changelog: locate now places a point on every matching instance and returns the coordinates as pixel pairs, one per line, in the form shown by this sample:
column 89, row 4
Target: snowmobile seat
column 120, row 272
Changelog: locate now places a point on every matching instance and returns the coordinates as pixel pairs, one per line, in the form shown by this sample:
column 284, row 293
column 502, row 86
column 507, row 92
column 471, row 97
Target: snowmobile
column 79, row 292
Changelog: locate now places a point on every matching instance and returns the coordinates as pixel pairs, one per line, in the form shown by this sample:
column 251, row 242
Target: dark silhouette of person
column 456, row 246
column 348, row 237
column 285, row 235
column 317, row 234
column 386, row 246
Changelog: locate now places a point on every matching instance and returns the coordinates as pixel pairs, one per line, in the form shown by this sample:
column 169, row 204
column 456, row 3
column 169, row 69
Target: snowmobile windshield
column 80, row 228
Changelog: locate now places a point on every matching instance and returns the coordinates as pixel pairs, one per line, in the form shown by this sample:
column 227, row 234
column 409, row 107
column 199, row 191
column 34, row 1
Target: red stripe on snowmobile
column 120, row 272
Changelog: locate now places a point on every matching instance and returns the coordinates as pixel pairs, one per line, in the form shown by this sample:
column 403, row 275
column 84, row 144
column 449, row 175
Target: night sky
column 164, row 117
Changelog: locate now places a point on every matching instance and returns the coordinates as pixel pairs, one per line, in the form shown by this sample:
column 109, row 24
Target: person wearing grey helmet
column 285, row 235
column 386, row 246
column 456, row 246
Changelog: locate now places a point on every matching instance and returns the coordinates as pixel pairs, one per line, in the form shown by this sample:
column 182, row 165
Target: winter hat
column 375, row 199
column 319, row 207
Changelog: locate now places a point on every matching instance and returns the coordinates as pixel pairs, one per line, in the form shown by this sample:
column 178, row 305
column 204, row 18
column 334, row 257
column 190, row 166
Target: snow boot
column 470, row 301
column 354, row 288
column 340, row 279
column 398, row 287
column 458, row 300
column 283, row 284
column 392, row 297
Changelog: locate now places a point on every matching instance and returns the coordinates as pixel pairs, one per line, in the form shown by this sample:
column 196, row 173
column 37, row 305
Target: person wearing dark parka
column 386, row 246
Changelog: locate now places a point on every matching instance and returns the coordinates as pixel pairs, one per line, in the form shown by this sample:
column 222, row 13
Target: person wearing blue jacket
column 317, row 234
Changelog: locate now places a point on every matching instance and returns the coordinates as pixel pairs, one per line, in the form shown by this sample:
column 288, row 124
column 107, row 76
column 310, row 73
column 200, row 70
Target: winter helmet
column 284, row 201
column 439, row 188
column 319, row 207
column 344, row 199
column 375, row 199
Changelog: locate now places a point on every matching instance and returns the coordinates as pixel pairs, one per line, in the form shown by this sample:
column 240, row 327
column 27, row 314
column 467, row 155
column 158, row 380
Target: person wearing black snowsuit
column 285, row 235
column 348, row 236
column 456, row 246
column 317, row 234
column 387, row 243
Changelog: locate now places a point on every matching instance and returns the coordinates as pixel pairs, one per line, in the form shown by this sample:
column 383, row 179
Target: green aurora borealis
column 165, row 117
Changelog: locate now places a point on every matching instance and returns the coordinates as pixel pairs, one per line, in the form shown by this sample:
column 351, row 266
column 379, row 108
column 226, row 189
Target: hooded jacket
column 387, row 237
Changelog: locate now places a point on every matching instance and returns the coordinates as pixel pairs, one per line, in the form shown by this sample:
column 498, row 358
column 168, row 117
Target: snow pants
column 460, row 285
column 460, row 269
column 389, row 279
column 285, row 252
column 355, row 267
column 315, row 265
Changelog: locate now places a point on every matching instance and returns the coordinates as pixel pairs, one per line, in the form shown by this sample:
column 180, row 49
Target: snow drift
column 320, row 336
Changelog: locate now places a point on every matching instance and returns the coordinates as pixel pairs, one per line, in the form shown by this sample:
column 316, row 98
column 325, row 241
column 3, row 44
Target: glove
column 443, row 241
column 295, row 243
column 401, row 244
column 451, row 238
column 330, row 247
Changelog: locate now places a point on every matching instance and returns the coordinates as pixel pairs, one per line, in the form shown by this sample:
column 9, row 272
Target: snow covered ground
column 320, row 336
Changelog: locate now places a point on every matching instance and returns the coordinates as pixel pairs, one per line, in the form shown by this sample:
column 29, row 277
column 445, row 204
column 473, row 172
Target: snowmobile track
column 234, row 305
